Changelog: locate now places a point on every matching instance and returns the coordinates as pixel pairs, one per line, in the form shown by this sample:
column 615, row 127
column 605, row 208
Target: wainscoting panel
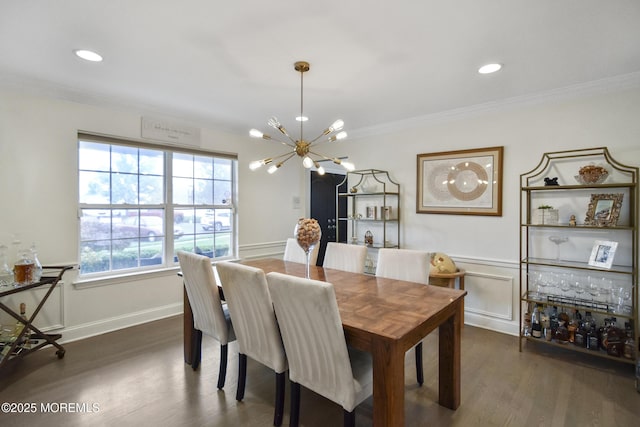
column 489, row 295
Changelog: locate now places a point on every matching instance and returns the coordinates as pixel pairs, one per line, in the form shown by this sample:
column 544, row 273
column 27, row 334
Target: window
column 141, row 203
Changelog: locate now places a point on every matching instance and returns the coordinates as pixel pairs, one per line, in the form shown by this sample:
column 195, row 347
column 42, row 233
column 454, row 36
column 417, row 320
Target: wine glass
column 535, row 279
column 564, row 285
column 578, row 286
column 606, row 285
column 624, row 300
column 558, row 240
column 592, row 288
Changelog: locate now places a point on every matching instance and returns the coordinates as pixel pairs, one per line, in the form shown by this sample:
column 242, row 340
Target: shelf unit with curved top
column 370, row 204
column 577, row 233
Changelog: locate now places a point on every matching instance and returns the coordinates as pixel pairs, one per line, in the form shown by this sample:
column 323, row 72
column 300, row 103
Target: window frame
column 169, row 258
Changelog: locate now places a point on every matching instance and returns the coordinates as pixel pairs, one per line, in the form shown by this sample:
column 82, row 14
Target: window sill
column 91, row 282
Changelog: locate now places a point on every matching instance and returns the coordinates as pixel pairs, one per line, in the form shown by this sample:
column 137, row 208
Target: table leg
column 188, row 330
column 449, row 359
column 388, row 384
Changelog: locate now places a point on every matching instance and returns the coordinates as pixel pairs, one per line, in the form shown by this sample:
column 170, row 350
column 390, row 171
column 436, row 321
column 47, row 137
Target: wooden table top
column 387, row 308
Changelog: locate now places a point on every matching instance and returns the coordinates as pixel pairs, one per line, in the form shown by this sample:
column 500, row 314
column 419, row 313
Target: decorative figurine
column 572, row 220
column 550, row 181
column 368, row 238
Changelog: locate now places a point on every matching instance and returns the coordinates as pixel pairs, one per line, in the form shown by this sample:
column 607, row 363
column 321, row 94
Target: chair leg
column 224, row 349
column 196, row 349
column 242, row 376
column 279, row 407
column 294, row 418
column 349, row 418
column 419, row 370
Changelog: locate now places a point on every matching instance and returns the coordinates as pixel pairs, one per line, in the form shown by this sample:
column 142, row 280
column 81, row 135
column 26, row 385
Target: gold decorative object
column 591, row 174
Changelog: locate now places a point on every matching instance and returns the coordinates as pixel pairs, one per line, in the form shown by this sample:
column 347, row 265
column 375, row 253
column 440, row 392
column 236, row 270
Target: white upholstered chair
column 411, row 266
column 254, row 322
column 342, row 256
column 293, row 252
column 210, row 317
column 318, row 356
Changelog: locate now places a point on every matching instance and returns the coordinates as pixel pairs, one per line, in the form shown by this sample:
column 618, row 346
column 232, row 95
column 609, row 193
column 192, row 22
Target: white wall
column 488, row 247
column 38, row 161
column 38, row 189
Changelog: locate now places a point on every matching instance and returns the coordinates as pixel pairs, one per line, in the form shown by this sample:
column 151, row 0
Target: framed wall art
column 602, row 254
column 465, row 182
column 604, row 210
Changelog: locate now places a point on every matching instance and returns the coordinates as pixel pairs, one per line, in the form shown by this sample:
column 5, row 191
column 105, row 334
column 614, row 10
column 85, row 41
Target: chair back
column 403, row 264
column 204, row 298
column 313, row 337
column 254, row 321
column 293, row 252
column 342, row 256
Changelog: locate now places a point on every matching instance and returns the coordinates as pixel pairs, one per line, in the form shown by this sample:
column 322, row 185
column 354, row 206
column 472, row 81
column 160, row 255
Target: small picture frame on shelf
column 371, row 212
column 604, row 210
column 602, row 254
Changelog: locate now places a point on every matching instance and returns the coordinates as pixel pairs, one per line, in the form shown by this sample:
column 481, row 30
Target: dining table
column 385, row 317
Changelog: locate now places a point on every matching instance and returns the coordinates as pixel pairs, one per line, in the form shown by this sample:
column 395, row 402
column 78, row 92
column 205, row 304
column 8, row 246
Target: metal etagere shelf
column 372, row 203
column 571, row 255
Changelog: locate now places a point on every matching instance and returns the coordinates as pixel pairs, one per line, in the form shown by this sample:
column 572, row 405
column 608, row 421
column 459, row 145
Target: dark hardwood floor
column 137, row 377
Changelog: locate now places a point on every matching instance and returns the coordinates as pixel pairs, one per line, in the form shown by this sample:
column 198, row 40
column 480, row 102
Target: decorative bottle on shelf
column 562, row 333
column 629, row 351
column 17, row 330
column 37, row 266
column 6, row 274
column 553, row 321
column 602, row 334
column 615, row 340
column 580, row 335
column 592, row 337
column 572, row 326
column 526, row 329
column 546, row 324
column 536, row 325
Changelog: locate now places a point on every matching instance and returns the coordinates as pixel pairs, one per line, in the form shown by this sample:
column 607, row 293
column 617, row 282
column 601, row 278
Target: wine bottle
column 536, row 325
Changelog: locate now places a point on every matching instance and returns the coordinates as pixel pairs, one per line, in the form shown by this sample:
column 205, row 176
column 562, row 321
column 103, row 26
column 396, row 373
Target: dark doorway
column 323, row 208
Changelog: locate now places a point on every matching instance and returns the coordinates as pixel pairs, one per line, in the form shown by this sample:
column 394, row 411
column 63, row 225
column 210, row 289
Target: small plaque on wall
column 167, row 131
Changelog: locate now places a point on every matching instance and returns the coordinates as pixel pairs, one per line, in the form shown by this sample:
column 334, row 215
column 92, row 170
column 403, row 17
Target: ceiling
column 230, row 64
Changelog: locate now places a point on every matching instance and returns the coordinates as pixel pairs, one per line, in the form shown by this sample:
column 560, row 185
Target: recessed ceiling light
column 489, row 68
column 302, row 118
column 88, row 55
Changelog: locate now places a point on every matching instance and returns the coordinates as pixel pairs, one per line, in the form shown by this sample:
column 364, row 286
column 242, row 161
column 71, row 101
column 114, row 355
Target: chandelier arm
column 283, row 155
column 320, row 155
column 285, row 133
column 290, row 156
column 317, row 138
column 282, row 142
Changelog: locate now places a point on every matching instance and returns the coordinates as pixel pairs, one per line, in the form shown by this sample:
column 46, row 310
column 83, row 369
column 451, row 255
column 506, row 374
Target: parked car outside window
column 149, row 227
column 218, row 221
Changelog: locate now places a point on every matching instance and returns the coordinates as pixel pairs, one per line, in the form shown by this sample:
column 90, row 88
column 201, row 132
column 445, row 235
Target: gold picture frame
column 604, row 210
column 464, row 182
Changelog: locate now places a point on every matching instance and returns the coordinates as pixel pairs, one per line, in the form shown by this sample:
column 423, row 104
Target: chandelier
column 301, row 147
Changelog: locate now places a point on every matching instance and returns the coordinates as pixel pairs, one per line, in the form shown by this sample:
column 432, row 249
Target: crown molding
column 596, row 87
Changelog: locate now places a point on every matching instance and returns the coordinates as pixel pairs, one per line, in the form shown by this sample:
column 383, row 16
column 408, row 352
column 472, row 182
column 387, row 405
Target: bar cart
column 31, row 339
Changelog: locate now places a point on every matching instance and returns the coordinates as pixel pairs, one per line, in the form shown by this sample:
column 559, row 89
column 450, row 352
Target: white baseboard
column 493, row 324
column 87, row 330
